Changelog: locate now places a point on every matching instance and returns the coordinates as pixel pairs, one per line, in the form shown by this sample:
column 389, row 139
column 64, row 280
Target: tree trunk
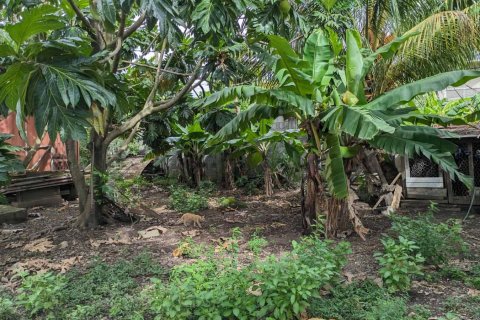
column 267, row 178
column 197, row 170
column 312, row 193
column 229, row 177
column 342, row 217
column 337, row 217
column 84, row 196
column 91, row 207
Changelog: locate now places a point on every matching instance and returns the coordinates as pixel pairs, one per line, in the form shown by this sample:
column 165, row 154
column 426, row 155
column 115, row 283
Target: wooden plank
column 425, row 179
column 448, row 183
column 433, row 185
column 427, row 193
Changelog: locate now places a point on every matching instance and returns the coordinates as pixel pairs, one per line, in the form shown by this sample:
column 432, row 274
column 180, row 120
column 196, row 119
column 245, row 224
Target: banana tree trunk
column 267, row 178
column 229, row 176
column 197, row 170
column 312, row 193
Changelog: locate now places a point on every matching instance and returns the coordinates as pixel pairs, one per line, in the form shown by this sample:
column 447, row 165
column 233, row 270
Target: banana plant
column 257, row 143
column 323, row 87
column 190, row 143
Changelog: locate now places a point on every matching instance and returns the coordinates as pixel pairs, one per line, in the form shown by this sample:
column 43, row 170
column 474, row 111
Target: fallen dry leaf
column 278, row 225
column 349, row 276
column 191, row 233
column 473, row 292
column 39, row 245
column 257, row 292
column 63, row 244
column 161, row 209
column 10, row 231
column 152, row 232
column 180, row 250
column 14, row 245
column 42, row 266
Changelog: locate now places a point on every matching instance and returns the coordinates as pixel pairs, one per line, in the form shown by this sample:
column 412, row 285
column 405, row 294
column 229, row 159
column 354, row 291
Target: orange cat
column 187, row 218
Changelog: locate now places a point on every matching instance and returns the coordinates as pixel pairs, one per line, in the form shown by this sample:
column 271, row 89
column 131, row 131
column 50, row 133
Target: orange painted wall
column 51, row 159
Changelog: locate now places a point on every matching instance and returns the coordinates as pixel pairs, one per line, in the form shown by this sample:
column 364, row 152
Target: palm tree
column 448, row 37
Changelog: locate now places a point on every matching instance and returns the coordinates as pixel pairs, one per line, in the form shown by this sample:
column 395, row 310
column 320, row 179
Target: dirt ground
column 49, row 239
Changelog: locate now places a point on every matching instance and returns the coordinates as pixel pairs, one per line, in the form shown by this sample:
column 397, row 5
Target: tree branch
column 151, row 107
column 135, row 25
column 82, row 17
column 120, row 34
column 124, row 146
column 152, row 67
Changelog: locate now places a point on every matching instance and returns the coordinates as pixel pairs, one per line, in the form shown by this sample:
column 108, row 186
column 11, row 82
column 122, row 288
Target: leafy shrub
column 453, row 272
column 8, row 310
column 399, row 263
column 277, row 288
column 358, row 301
column 436, row 242
column 102, row 291
column 183, row 199
column 250, row 186
column 256, row 244
column 206, row 187
column 40, row 292
column 230, row 202
column 388, row 309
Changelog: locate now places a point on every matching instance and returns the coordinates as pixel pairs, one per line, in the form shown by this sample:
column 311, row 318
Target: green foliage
column 183, row 199
column 388, row 309
column 474, row 277
column 249, row 185
column 102, row 290
column 326, row 77
column 230, row 202
column 9, row 162
column 256, row 244
column 359, row 301
column 40, row 292
column 436, row 242
column 8, row 310
column 399, row 263
column 277, row 288
column 465, row 305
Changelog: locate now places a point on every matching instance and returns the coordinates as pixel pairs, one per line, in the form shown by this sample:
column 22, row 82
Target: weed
column 388, row 309
column 467, row 305
column 230, row 202
column 436, row 242
column 103, row 290
column 399, row 263
column 419, row 312
column 256, row 244
column 474, row 278
column 358, row 301
column 277, row 288
column 183, row 199
column 8, row 310
column 453, row 273
column 40, row 292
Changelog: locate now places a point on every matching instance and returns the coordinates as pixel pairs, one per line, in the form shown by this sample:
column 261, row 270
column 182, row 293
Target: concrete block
column 9, row 214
